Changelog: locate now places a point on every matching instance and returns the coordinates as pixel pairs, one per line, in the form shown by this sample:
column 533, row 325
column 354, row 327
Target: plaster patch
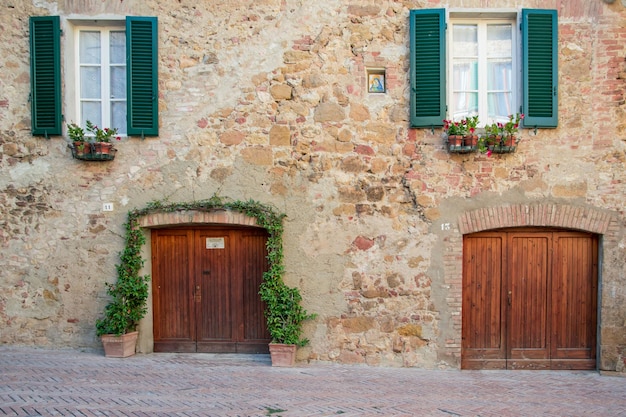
column 23, row 175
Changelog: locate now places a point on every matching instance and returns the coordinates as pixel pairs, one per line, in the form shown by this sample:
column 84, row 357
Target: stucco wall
column 267, row 100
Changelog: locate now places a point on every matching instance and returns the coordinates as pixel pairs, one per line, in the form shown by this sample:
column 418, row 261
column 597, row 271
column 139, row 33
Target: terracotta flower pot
column 81, row 148
column 282, row 355
column 455, row 140
column 119, row 346
column 470, row 140
column 102, row 147
column 509, row 141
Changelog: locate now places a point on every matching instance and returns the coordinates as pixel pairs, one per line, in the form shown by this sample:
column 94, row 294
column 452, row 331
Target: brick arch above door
column 538, row 215
column 175, row 218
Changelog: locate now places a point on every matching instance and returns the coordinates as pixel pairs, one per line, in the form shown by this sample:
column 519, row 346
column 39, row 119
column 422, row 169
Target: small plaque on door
column 215, row 243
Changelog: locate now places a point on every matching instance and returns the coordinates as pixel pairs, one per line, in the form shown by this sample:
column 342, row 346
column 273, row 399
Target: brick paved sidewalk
column 37, row 382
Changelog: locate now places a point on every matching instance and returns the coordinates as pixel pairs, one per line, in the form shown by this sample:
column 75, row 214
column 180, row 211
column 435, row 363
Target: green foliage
column 283, row 313
column 130, row 293
column 101, row 135
column 75, row 132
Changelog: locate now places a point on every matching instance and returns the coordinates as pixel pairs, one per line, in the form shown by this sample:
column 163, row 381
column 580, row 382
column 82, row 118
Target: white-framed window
column 110, row 76
column 100, row 76
column 506, row 63
column 483, row 69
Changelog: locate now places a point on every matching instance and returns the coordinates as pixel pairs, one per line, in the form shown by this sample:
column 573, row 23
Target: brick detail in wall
column 543, row 215
column 196, row 217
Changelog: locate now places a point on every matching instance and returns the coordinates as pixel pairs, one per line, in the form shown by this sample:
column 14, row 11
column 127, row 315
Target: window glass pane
column 499, row 75
column 465, row 75
column 89, row 47
column 90, row 82
column 465, row 41
column 500, row 106
column 118, row 82
column 90, row 110
column 465, row 104
column 118, row 47
column 499, row 40
column 118, row 114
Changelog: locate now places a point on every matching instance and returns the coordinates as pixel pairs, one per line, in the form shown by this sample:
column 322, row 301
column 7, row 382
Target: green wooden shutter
column 45, row 75
column 428, row 67
column 540, row 67
column 141, row 73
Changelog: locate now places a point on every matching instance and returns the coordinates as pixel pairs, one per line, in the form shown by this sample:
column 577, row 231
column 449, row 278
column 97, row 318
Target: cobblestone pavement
column 39, row 382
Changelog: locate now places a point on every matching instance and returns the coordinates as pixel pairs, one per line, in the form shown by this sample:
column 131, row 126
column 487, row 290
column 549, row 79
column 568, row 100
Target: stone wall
column 267, row 100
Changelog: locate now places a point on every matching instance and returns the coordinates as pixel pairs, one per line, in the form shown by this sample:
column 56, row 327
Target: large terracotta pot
column 119, row 346
column 282, row 355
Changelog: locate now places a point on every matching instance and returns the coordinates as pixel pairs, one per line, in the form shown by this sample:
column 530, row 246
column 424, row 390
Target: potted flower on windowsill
column 102, row 137
column 77, row 137
column 471, row 138
column 461, row 136
column 501, row 137
column 92, row 143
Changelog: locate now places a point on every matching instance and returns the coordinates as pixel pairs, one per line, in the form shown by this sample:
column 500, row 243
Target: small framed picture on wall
column 376, row 80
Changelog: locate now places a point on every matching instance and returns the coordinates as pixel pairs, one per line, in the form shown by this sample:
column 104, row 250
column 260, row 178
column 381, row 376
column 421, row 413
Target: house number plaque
column 215, row 243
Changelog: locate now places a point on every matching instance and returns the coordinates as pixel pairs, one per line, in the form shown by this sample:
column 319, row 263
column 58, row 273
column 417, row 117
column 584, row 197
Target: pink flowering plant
column 461, row 128
column 471, row 123
column 452, row 128
column 102, row 135
column 511, row 127
column 497, row 133
column 508, row 129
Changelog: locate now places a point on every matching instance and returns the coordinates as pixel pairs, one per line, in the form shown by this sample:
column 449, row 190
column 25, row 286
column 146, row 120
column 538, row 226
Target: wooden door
column 205, row 290
column 529, row 300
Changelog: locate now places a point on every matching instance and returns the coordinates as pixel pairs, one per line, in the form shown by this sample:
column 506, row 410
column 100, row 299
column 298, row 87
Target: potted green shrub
column 118, row 328
column 283, row 313
column 284, row 316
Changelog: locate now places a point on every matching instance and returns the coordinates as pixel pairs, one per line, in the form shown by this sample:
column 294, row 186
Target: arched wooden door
column 205, row 284
column 529, row 300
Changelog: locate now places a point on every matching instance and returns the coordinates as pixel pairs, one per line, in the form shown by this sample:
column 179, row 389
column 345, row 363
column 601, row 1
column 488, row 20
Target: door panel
column 174, row 327
column 546, row 286
column 206, row 290
column 213, row 280
column 483, row 343
column 528, row 301
column 253, row 263
column 574, row 295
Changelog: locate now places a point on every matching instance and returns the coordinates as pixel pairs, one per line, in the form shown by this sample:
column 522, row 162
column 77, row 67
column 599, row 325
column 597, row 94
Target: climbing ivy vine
column 284, row 314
